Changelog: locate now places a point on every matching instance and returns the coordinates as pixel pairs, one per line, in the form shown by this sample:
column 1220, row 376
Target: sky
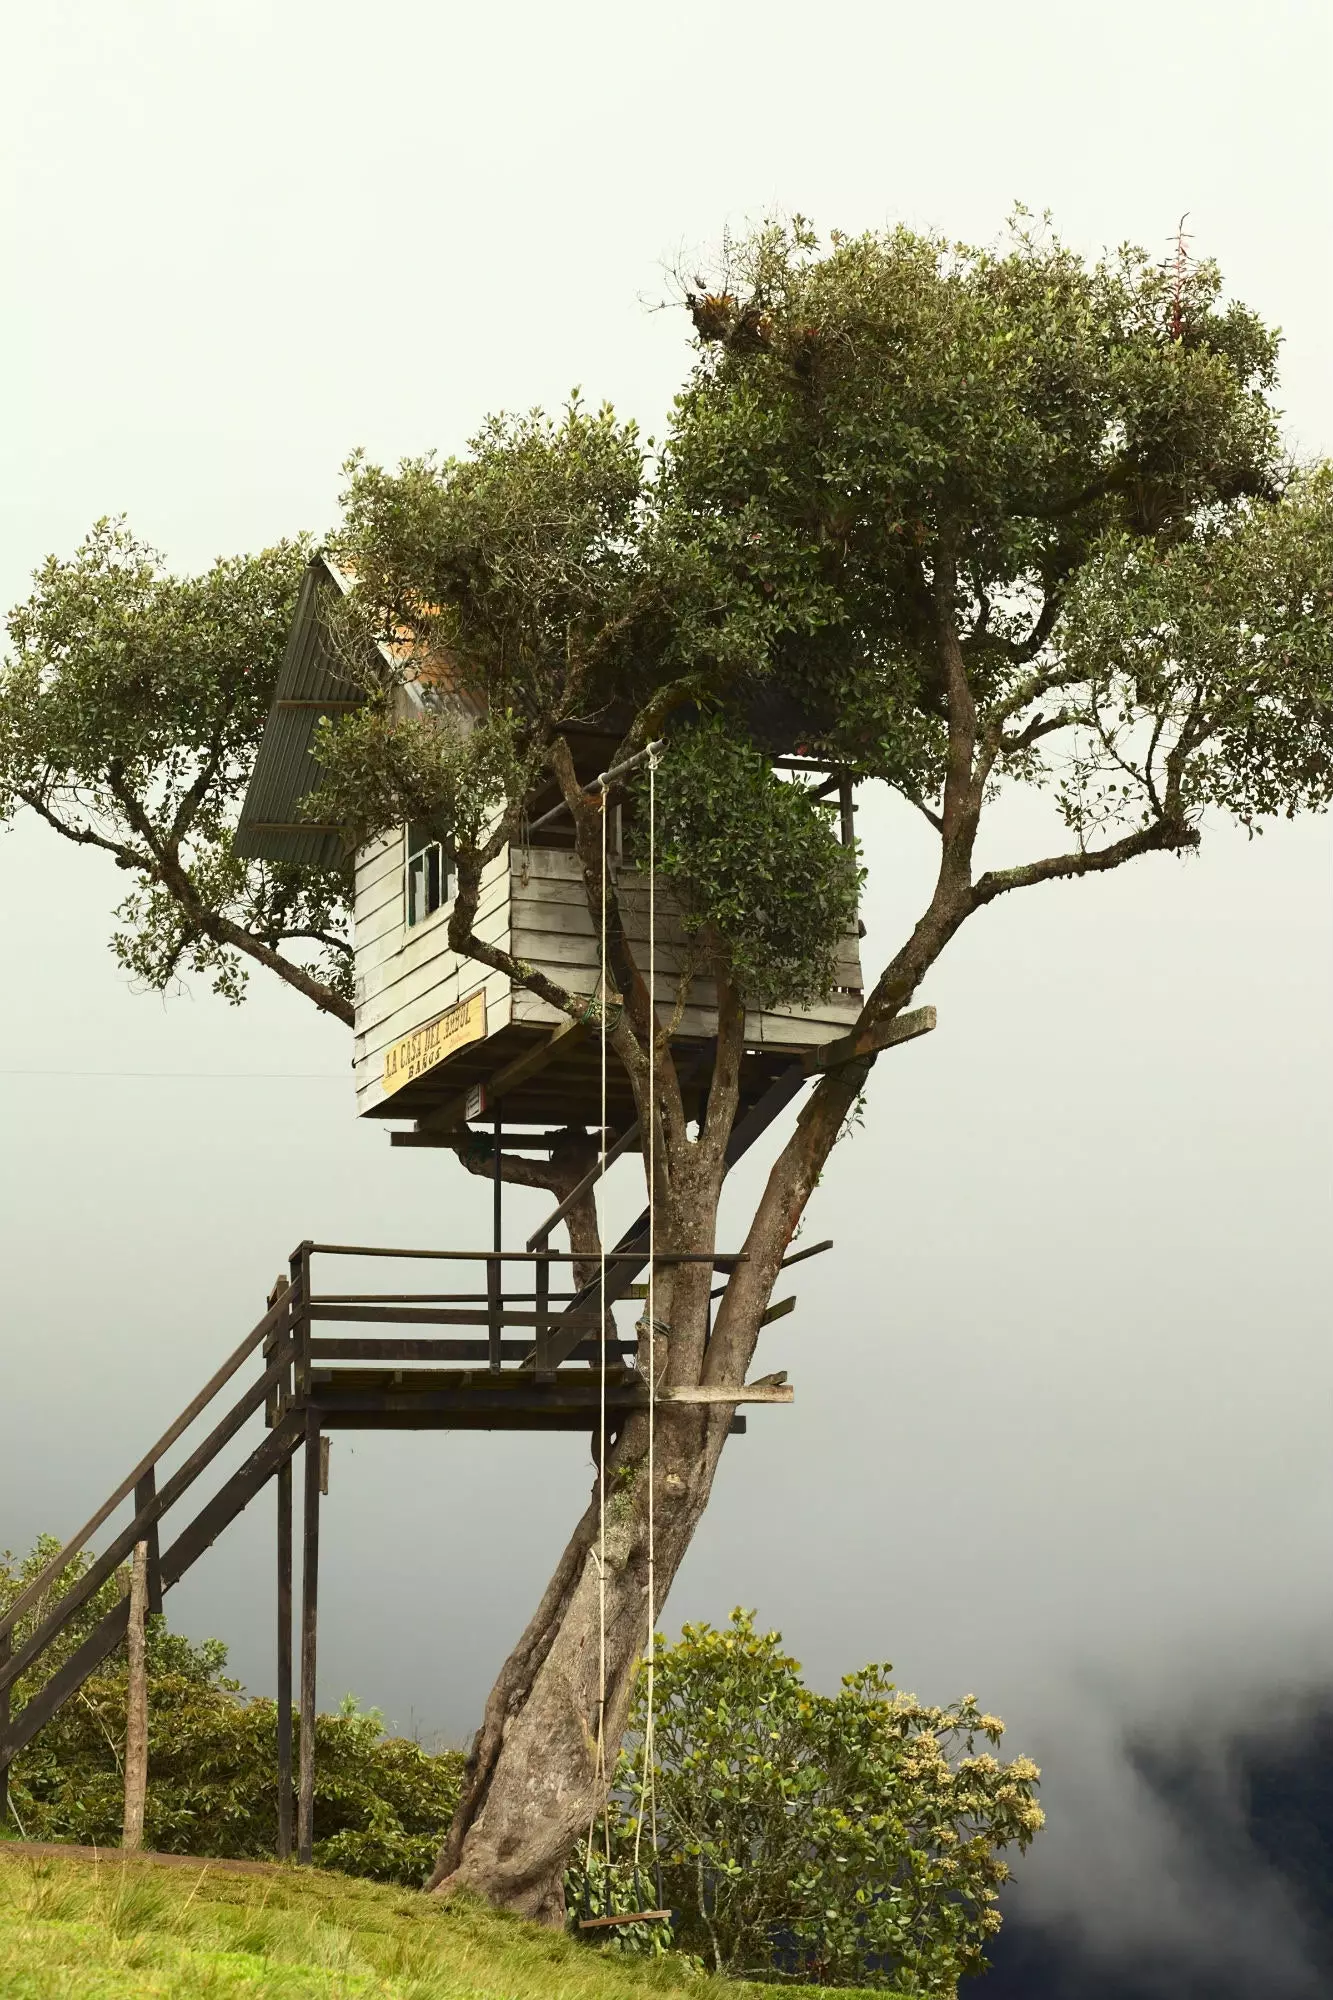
column 1060, row 1429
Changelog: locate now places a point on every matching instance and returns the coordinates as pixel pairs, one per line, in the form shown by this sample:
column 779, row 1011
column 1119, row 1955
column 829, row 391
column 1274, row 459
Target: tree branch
column 464, row 940
column 127, row 857
column 167, row 869
column 1162, row 836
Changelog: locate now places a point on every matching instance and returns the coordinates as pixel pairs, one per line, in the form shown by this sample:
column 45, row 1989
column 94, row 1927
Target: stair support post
column 6, row 1648
column 145, row 1492
column 494, row 1275
column 284, row 1483
column 305, row 1808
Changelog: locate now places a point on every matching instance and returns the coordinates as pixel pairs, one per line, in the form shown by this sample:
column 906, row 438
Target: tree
column 957, row 520
column 130, row 712
column 852, row 1839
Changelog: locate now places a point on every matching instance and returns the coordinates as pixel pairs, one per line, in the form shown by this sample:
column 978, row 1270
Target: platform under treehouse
column 443, row 1040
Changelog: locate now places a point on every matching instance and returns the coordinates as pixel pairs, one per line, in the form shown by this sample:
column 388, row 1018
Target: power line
column 197, row 1075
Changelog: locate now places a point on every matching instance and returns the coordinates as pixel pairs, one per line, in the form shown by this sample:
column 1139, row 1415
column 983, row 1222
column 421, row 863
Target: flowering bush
column 853, row 1838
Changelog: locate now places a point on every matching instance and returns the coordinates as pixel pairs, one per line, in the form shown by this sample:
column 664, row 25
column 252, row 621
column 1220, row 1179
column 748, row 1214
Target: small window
column 427, row 875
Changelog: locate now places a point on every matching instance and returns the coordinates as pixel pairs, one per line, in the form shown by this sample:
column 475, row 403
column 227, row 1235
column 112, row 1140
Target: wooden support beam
column 779, row 1311
column 145, row 1491
column 453, row 1115
column 479, row 1315
column 515, row 1142
column 305, row 1807
column 629, row 1137
column 714, row 1392
column 285, row 1660
column 854, row 1047
column 389, row 1351
column 494, row 1270
column 136, row 1705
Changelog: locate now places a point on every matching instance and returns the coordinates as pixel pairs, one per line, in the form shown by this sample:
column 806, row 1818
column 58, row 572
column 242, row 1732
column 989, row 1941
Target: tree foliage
column 917, row 502
column 131, row 708
column 850, row 1839
column 911, row 491
column 761, row 876
column 380, row 1801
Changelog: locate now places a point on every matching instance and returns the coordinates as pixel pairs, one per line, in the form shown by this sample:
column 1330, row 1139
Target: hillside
column 108, row 1929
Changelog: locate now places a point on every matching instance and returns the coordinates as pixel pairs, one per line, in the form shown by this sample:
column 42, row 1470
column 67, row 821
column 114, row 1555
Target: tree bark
column 535, row 1780
column 136, row 1705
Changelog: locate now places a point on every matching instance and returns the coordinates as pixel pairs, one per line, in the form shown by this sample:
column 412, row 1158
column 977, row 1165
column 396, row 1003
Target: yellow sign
column 410, row 1058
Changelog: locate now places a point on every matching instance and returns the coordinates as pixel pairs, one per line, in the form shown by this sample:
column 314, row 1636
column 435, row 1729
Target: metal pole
column 305, row 1819
column 285, row 1660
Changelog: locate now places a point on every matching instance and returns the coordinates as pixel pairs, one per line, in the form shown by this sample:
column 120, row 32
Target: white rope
column 601, row 1400
column 648, row 1791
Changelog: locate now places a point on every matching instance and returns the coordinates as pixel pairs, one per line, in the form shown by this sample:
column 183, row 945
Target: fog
column 1060, row 1428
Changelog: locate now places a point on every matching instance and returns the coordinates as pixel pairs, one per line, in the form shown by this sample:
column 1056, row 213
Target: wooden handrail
column 116, row 1551
column 30, row 1595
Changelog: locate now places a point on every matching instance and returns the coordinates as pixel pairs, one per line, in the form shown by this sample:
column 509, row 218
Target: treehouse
column 443, row 1040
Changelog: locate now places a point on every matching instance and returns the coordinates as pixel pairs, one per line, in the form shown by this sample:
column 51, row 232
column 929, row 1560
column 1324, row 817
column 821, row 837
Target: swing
column 640, row 1915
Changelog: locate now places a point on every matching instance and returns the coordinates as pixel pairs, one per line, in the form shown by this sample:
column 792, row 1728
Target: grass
column 114, row 1929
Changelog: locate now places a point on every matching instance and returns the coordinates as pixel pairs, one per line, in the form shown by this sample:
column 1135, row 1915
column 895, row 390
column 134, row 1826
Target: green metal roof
column 311, row 683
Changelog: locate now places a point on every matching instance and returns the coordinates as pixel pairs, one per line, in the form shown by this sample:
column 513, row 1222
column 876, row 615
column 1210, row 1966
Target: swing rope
column 648, row 1788
column 599, row 1773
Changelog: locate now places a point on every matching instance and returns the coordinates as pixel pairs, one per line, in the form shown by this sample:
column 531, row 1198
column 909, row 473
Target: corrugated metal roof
column 285, row 771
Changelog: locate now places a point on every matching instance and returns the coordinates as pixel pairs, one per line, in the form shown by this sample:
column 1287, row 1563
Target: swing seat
column 630, row 1917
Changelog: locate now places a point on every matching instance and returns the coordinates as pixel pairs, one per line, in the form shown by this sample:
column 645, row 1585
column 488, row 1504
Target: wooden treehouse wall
column 533, row 905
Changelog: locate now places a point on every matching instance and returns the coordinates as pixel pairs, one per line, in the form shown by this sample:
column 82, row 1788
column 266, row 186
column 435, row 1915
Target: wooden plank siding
column 404, row 978
column 533, row 905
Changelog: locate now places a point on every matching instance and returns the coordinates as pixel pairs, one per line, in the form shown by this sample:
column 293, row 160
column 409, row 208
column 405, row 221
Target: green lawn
column 110, row 1929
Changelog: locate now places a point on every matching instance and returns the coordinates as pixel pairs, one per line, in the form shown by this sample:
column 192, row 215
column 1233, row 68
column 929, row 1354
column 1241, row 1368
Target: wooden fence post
column 136, row 1705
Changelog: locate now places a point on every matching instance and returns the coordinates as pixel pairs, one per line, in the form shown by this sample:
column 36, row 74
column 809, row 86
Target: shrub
column 381, row 1803
column 853, row 1838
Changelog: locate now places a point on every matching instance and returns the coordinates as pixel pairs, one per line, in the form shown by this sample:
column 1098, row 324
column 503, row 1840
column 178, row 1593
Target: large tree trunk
column 535, row 1780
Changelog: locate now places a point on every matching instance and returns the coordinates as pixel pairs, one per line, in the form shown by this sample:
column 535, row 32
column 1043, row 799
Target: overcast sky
column 1060, row 1432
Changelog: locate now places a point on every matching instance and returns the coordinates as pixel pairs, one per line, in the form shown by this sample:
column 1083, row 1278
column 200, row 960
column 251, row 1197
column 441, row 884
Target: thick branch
column 1163, row 836
column 167, row 869
column 84, row 836
column 464, row 940
column 211, row 923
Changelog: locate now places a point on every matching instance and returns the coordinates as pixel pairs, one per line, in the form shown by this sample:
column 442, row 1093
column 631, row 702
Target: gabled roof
column 311, row 683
